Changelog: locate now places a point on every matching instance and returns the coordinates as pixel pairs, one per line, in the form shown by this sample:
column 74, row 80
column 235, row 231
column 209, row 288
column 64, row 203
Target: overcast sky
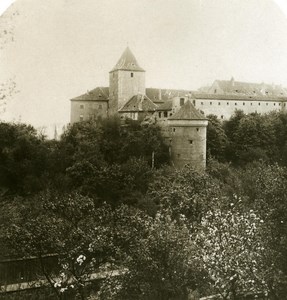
column 62, row 48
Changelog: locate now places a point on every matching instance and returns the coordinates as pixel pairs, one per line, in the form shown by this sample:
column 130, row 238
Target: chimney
column 232, row 81
column 159, row 94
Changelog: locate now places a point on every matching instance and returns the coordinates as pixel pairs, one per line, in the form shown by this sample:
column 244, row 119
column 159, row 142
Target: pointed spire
column 127, row 62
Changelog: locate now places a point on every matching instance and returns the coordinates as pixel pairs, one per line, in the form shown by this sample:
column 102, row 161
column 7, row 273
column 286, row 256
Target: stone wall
column 123, row 85
column 225, row 108
column 188, row 143
column 88, row 110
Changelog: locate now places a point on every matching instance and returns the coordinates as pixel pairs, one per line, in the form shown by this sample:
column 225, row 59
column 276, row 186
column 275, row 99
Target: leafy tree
column 216, row 138
column 161, row 265
column 234, row 252
column 23, row 158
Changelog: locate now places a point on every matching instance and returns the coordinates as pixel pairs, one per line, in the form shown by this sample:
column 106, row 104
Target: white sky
column 62, row 48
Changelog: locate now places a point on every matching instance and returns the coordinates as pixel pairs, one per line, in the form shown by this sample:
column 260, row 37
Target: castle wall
column 224, row 109
column 123, row 85
column 188, row 143
column 88, row 110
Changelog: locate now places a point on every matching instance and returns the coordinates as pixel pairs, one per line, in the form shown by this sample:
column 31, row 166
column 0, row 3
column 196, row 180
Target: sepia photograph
column 143, row 150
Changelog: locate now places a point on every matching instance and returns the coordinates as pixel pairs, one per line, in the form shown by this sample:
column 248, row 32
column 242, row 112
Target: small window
column 100, row 95
column 159, row 114
column 218, row 103
column 82, row 106
column 132, row 74
column 266, row 104
column 170, row 114
column 227, row 103
column 251, row 103
column 236, row 91
column 165, row 114
column 197, row 129
column 201, row 103
column 279, row 104
column 243, row 103
column 266, row 92
column 210, row 103
column 235, row 103
column 191, row 142
column 173, row 129
column 215, row 91
column 274, row 104
column 259, row 103
column 222, row 116
column 193, row 101
column 181, row 101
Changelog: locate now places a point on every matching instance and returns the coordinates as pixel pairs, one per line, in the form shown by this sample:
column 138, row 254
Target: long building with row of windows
column 180, row 113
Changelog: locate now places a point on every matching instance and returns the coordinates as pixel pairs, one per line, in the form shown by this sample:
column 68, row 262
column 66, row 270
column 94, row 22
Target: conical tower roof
column 188, row 112
column 127, row 62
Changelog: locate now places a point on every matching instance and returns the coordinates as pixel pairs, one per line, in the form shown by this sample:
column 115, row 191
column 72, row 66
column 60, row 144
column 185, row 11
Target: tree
column 23, row 158
column 216, row 138
column 161, row 265
column 234, row 252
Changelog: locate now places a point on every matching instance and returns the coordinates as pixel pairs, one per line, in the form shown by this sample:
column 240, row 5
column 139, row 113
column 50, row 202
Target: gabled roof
column 97, row 94
column 188, row 112
column 127, row 62
column 139, row 103
column 248, row 88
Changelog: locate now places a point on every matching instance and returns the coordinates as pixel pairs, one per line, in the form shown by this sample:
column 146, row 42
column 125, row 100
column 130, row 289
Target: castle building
column 179, row 113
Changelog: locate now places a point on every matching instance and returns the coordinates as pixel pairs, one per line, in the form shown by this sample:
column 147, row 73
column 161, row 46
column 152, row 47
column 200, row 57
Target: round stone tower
column 187, row 129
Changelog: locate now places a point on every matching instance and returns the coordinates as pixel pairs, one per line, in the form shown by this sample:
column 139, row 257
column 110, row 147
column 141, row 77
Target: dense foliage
column 97, row 200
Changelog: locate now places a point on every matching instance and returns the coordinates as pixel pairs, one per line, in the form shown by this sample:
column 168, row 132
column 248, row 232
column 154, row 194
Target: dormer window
column 181, row 101
column 132, row 74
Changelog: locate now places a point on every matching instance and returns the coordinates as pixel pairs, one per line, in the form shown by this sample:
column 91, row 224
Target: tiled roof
column 127, row 62
column 139, row 103
column 248, row 88
column 156, row 94
column 188, row 112
column 97, row 94
column 166, row 105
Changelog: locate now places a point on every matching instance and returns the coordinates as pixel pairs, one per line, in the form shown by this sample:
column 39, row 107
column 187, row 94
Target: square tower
column 127, row 79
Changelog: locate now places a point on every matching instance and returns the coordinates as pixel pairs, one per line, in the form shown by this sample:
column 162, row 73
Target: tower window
column 132, row 74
